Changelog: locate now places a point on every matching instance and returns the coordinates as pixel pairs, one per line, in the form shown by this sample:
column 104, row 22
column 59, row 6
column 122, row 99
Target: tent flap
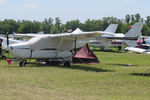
column 85, row 55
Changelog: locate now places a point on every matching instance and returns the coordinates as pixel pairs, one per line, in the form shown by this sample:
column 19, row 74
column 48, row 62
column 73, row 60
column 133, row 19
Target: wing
column 26, row 35
column 79, row 36
column 64, row 41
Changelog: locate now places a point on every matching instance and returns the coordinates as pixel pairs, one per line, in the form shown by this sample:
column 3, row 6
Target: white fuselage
column 138, row 50
column 22, row 50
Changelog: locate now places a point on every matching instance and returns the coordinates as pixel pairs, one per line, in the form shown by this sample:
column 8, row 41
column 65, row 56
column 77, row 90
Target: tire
column 47, row 62
column 22, row 64
column 67, row 63
column 3, row 57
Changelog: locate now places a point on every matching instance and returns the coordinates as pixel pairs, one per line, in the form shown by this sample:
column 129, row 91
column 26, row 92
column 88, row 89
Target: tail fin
column 135, row 31
column 111, row 28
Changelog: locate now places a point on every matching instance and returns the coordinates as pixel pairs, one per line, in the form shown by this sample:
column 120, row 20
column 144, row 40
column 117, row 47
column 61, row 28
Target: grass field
column 109, row 80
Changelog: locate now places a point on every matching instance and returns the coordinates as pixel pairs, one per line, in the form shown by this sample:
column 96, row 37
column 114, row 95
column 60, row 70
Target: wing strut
column 58, row 47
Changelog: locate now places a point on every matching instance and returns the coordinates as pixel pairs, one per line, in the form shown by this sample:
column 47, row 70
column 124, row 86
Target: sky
column 68, row 10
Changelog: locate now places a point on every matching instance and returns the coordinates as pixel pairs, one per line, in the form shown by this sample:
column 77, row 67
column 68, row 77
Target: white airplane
column 56, row 46
column 143, row 47
column 78, row 43
column 116, row 39
column 109, row 31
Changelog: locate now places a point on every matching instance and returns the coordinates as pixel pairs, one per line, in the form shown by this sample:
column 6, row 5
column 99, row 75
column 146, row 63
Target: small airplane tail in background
column 111, row 28
column 134, row 32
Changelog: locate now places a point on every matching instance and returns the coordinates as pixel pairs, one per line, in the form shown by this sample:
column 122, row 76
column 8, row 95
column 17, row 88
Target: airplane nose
column 8, row 48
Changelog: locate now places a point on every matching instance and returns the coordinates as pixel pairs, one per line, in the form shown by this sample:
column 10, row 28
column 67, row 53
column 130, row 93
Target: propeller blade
column 75, row 44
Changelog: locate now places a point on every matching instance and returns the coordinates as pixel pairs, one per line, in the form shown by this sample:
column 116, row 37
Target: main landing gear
column 23, row 63
column 67, row 63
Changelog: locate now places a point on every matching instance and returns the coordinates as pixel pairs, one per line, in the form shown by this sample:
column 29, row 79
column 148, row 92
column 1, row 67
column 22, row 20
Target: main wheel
column 4, row 57
column 22, row 63
column 67, row 63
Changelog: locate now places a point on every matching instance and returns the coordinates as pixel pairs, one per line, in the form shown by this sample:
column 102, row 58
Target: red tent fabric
column 9, row 61
column 85, row 55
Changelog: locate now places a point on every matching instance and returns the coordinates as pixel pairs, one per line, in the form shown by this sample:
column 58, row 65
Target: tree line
column 53, row 26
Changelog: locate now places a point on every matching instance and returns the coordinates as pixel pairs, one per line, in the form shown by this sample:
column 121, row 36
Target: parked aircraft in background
column 118, row 39
column 145, row 49
column 143, row 46
column 111, row 29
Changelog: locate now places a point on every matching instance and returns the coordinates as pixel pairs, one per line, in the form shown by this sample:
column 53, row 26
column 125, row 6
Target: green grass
column 109, row 80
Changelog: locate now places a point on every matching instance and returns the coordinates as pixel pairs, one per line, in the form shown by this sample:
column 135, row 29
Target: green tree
column 47, row 25
column 146, row 30
column 127, row 18
column 37, row 27
column 147, row 19
column 89, row 25
column 56, row 28
column 132, row 18
column 8, row 25
column 73, row 24
column 26, row 27
column 137, row 17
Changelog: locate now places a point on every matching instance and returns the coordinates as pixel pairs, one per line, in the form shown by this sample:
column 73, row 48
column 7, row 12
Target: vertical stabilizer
column 111, row 28
column 135, row 31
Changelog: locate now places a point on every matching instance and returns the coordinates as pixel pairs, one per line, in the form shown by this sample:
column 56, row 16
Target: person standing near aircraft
column 143, row 41
column 1, row 40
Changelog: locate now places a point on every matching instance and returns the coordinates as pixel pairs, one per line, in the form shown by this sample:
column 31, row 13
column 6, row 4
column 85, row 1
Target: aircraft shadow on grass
column 111, row 51
column 117, row 64
column 141, row 74
column 76, row 67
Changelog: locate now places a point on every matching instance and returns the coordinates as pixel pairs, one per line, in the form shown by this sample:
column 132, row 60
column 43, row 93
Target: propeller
column 75, row 45
column 7, row 42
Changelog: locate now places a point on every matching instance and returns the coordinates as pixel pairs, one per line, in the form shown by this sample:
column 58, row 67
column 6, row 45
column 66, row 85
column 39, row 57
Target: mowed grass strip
column 109, row 80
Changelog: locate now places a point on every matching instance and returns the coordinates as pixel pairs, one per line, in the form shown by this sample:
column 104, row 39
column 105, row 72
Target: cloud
column 2, row 1
column 31, row 6
column 125, row 0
